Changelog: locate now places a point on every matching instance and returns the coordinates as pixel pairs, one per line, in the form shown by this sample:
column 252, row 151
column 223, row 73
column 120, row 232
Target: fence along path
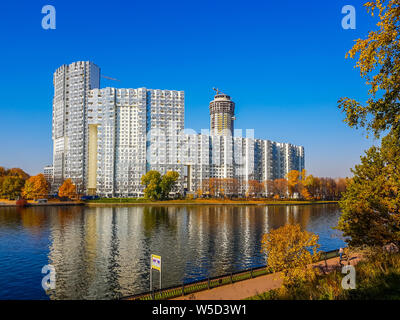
column 188, row 289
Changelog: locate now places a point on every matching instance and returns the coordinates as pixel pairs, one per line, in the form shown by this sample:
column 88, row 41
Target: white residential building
column 48, row 173
column 106, row 139
column 72, row 84
column 132, row 131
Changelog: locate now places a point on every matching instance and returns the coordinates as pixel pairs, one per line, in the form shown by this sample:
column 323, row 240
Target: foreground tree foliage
column 371, row 205
column 67, row 189
column 289, row 251
column 35, row 187
column 378, row 278
column 379, row 64
column 371, row 202
column 158, row 187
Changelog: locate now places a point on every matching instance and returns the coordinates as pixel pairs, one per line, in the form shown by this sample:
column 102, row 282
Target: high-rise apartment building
column 132, row 131
column 222, row 115
column 106, row 139
column 72, row 84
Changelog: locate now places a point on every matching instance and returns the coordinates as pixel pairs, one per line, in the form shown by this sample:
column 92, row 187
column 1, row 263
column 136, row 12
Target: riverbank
column 139, row 202
column 123, row 202
column 31, row 203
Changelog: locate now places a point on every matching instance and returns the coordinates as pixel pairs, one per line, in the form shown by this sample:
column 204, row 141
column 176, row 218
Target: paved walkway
column 249, row 288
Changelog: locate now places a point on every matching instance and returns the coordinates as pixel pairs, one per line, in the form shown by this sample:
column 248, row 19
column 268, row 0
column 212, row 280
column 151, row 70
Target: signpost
column 155, row 263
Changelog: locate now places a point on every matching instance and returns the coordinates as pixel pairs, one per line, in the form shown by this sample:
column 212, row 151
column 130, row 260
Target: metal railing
column 213, row 282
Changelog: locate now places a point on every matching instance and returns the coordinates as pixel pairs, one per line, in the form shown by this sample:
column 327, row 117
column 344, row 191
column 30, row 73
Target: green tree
column 371, row 203
column 168, row 182
column 152, row 180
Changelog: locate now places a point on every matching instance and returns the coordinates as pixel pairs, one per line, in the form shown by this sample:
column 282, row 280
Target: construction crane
column 109, row 78
column 218, row 91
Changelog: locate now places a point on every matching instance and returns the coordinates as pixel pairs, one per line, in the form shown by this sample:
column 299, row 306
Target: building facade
column 48, row 173
column 132, row 131
column 72, row 84
column 222, row 114
column 106, row 139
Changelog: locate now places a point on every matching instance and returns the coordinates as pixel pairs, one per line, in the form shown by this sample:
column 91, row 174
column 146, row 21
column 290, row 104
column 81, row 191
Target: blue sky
column 282, row 62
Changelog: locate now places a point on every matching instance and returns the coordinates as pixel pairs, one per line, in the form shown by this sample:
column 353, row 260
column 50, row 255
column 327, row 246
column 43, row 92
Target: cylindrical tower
column 222, row 114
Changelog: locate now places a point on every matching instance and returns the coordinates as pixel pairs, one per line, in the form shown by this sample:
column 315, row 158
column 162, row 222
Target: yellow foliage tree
column 289, row 251
column 306, row 194
column 293, row 180
column 35, row 187
column 67, row 189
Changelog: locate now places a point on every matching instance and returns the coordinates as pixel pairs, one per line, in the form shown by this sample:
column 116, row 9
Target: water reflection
column 103, row 252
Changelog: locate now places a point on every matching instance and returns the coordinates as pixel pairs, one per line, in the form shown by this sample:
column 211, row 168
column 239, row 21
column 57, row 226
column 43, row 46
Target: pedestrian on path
column 340, row 253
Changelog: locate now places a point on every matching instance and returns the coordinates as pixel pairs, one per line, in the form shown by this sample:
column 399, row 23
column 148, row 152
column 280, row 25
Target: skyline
column 256, row 82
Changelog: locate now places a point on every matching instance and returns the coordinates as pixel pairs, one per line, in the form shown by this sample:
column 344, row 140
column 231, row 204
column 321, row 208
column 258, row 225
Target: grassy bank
column 377, row 277
column 118, row 201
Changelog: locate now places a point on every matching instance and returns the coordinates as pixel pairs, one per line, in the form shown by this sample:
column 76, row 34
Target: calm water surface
column 104, row 252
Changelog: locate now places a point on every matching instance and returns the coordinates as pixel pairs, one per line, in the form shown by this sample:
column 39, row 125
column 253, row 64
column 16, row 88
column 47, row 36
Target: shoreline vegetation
column 143, row 201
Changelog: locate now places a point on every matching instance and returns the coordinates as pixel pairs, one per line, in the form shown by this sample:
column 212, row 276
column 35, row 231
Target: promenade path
column 251, row 287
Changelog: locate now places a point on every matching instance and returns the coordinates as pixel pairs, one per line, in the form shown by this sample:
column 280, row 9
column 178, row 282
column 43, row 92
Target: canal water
column 104, row 252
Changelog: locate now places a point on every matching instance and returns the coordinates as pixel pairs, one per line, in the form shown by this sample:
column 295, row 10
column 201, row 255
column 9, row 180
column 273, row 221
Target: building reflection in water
column 104, row 252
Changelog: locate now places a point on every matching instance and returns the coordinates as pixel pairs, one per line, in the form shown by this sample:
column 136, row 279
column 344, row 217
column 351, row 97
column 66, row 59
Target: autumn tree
column 11, row 182
column 215, row 187
column 341, row 186
column 228, row 187
column 35, row 187
column 310, row 187
column 205, row 187
column 379, row 64
column 17, row 172
column 293, row 177
column 371, row 202
column 168, row 182
column 67, row 189
column 255, row 188
column 151, row 180
column 280, row 187
column 290, row 250
column 11, row 187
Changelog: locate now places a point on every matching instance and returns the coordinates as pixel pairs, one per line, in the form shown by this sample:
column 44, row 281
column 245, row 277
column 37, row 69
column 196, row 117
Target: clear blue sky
column 283, row 63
